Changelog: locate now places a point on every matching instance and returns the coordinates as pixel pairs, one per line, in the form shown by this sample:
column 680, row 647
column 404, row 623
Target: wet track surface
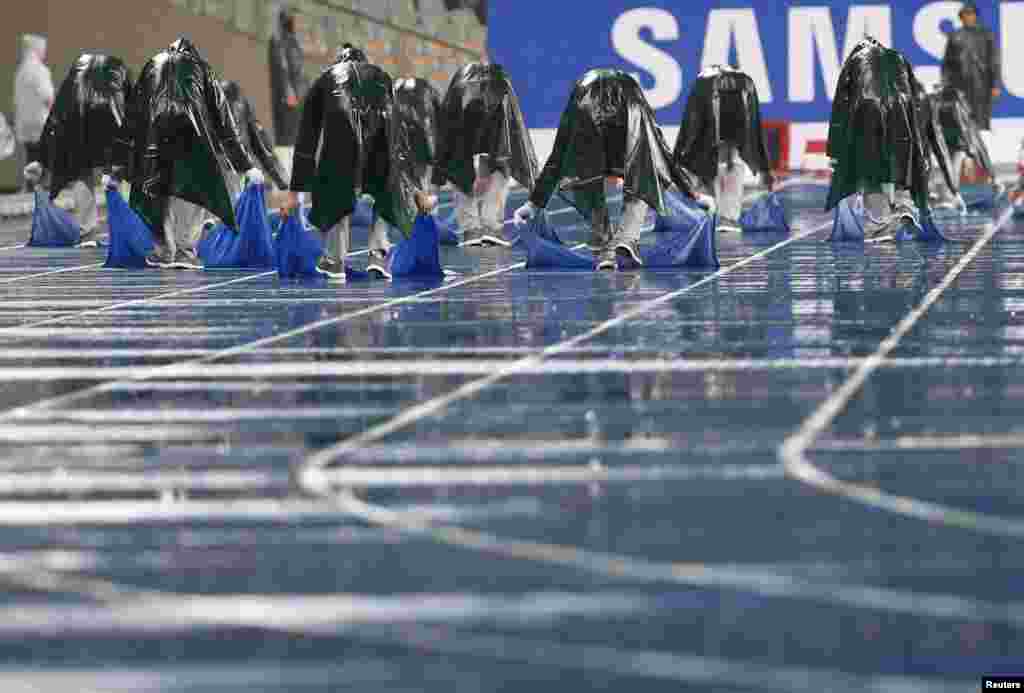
column 545, row 481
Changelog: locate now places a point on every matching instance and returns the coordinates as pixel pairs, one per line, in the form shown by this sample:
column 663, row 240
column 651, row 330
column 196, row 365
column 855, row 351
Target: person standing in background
column 287, row 85
column 33, row 95
column 971, row 64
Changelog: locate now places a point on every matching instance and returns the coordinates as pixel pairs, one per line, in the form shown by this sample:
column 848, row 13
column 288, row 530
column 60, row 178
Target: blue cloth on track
column 418, row 255
column 298, row 249
column 767, row 215
column 848, row 225
column 251, row 247
column 684, row 243
column 130, row 238
column 52, row 227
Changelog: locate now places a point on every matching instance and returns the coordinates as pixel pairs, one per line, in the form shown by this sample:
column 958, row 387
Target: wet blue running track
column 514, row 480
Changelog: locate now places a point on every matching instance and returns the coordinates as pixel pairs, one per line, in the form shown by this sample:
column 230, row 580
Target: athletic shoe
column 187, row 260
column 160, row 257
column 378, row 265
column 89, row 239
column 606, row 260
column 629, row 253
column 728, row 225
column 333, row 269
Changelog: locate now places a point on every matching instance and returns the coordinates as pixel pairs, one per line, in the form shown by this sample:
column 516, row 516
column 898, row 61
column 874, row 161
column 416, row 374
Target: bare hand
column 291, row 202
column 293, row 101
column 996, row 92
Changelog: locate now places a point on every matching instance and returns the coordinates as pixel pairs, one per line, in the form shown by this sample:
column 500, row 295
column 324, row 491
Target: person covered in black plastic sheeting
column 484, row 144
column 187, row 148
column 935, row 149
column 972, row 64
column 721, row 131
column 254, row 138
column 343, row 152
column 83, row 135
column 415, row 134
column 608, row 130
column 962, row 137
column 874, row 139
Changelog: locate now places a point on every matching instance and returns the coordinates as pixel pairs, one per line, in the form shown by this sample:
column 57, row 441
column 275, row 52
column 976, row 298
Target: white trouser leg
column 729, row 183
column 183, row 224
column 337, row 240
column 379, row 235
column 467, row 211
column 492, row 204
column 634, row 214
column 285, row 155
column 84, row 196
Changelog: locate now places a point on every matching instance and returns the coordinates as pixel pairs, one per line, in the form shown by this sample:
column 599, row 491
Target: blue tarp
column 766, row 215
column 130, row 239
column 298, row 249
column 52, row 227
column 251, row 247
column 418, row 255
column 849, row 225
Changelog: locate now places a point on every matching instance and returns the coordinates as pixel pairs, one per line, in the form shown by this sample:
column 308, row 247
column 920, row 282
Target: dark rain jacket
column 873, row 135
column 722, row 108
column 414, row 134
column 971, row 64
column 185, row 138
column 254, row 137
column 608, row 129
column 930, row 127
column 286, row 77
column 85, row 128
column 344, row 146
column 959, row 129
column 480, row 115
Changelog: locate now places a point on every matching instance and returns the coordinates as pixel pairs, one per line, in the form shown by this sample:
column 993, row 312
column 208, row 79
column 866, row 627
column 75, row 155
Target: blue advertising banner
column 793, row 50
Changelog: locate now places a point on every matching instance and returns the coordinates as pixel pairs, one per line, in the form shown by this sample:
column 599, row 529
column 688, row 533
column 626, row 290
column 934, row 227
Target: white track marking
column 74, row 482
column 13, row 247
column 793, row 452
column 450, row 367
column 315, row 463
column 963, row 442
column 159, row 371
column 23, row 277
column 94, row 512
column 696, row 670
column 694, row 574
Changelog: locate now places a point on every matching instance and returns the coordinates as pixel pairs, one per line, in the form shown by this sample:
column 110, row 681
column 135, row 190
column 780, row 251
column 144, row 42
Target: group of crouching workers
column 187, row 142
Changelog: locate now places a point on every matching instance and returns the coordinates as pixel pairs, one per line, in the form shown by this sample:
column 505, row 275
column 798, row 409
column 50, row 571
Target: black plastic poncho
column 254, row 137
column 185, row 137
column 84, row 130
column 344, row 146
column 931, row 130
column 722, row 108
column 480, row 114
column 414, row 135
column 873, row 135
column 608, row 129
column 971, row 64
column 959, row 128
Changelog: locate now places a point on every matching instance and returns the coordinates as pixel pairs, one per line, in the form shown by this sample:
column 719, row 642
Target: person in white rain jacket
column 33, row 95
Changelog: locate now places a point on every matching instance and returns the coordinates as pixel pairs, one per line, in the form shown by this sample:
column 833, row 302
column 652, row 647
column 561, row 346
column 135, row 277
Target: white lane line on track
column 279, row 370
column 315, row 463
column 159, row 371
column 932, row 443
column 23, row 277
column 793, row 451
column 699, row 671
column 13, row 247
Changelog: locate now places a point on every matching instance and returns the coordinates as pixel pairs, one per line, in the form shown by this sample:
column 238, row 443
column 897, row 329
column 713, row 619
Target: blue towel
column 544, row 250
column 298, row 249
column 766, row 215
column 251, row 247
column 683, row 214
column 684, row 244
column 52, row 227
column 848, row 220
column 418, row 255
column 130, row 239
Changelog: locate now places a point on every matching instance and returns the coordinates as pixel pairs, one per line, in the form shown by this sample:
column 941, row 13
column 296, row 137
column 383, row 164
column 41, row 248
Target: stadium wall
column 793, row 50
